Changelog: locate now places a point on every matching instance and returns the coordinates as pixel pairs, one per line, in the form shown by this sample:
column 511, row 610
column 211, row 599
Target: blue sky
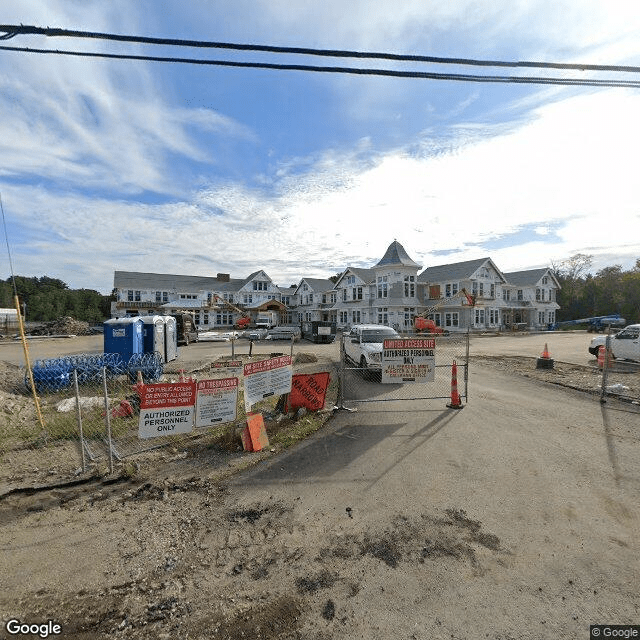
column 141, row 166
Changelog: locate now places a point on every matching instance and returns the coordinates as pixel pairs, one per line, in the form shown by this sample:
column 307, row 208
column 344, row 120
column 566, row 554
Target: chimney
column 223, row 277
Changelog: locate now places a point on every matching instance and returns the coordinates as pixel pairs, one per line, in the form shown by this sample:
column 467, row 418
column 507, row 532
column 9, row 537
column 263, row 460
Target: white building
column 391, row 292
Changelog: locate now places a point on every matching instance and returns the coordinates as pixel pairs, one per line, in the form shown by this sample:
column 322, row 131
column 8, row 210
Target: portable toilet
column 170, row 338
column 153, row 335
column 123, row 336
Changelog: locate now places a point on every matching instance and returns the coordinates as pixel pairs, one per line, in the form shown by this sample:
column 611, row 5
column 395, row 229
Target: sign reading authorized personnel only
column 217, row 402
column 409, row 360
column 166, row 409
column 266, row 378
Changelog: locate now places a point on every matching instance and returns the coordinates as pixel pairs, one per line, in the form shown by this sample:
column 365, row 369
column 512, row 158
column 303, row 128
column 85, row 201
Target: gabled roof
column 169, row 281
column 251, row 276
column 457, row 271
column 529, row 277
column 366, row 275
column 396, row 254
column 317, row 285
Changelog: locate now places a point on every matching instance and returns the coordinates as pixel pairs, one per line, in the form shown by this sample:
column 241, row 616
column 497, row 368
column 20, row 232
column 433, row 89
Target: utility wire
column 633, row 84
column 10, row 31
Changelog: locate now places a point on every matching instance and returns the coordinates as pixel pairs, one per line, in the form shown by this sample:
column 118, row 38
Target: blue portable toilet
column 153, row 335
column 123, row 336
column 170, row 338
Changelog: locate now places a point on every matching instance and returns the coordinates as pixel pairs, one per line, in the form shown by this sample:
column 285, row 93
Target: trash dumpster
column 123, row 336
column 170, row 338
column 153, row 335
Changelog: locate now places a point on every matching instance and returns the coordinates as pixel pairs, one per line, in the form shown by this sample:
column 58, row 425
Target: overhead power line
column 10, row 31
column 425, row 75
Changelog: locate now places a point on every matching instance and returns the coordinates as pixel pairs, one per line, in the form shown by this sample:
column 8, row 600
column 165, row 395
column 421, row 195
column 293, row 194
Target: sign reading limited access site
column 266, row 378
column 166, row 409
column 217, row 402
column 409, row 360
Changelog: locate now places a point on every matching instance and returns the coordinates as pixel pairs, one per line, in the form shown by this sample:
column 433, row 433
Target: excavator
column 422, row 324
column 244, row 321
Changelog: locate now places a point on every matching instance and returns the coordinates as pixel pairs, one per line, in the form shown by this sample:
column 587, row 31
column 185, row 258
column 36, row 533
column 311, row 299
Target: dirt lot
column 514, row 518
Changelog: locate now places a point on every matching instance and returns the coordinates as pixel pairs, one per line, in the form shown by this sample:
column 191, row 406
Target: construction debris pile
column 62, row 326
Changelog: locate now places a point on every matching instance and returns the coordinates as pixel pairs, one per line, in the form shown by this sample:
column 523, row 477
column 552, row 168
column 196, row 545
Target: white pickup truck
column 624, row 345
column 363, row 345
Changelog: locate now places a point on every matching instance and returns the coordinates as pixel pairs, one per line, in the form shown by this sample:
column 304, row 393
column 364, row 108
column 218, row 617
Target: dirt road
column 516, row 517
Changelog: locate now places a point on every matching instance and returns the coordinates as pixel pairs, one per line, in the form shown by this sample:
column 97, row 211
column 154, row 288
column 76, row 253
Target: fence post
column 233, row 347
column 79, row 416
column 605, row 368
column 466, row 367
column 292, row 339
column 107, row 417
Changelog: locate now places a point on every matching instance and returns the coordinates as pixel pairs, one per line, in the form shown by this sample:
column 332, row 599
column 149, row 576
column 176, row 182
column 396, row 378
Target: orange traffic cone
column 545, row 353
column 455, row 403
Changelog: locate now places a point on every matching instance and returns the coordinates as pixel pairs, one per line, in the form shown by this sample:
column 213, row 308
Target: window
column 520, row 296
column 205, row 318
column 540, row 317
column 545, row 280
column 197, row 318
column 409, row 286
column 357, row 293
column 507, row 294
column 451, row 319
column 492, row 293
column 248, row 298
column 409, row 312
column 351, row 280
column 165, row 296
column 355, row 316
column 137, row 296
column 158, row 296
column 383, row 291
column 477, row 289
column 285, row 300
column 224, row 318
column 383, row 315
column 343, row 317
column 479, row 317
column 344, row 295
column 450, row 289
column 311, row 297
column 259, row 285
column 494, row 316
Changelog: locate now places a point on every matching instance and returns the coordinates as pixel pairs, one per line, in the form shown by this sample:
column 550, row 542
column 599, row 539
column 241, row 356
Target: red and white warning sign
column 166, row 409
column 266, row 378
column 409, row 360
column 217, row 401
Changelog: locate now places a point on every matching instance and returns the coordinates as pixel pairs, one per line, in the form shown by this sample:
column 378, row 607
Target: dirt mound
column 63, row 326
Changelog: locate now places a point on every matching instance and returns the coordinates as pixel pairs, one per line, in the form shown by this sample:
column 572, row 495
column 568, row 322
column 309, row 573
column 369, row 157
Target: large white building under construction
column 391, row 292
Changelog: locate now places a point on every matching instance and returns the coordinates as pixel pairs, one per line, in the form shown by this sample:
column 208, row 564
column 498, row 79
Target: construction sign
column 266, row 378
column 166, row 409
column 308, row 390
column 409, row 360
column 254, row 435
column 217, row 401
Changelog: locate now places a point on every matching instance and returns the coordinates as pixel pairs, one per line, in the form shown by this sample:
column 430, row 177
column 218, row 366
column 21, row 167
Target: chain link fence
column 620, row 376
column 91, row 409
column 417, row 367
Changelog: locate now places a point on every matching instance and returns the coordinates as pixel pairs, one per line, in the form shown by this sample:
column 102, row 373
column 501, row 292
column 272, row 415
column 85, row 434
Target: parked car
column 625, row 345
column 363, row 345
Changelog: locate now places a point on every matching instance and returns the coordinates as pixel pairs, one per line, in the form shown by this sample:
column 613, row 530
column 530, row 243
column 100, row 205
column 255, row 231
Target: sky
column 112, row 165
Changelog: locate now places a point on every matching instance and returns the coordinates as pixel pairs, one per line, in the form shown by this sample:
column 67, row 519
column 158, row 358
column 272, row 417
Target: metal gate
column 360, row 384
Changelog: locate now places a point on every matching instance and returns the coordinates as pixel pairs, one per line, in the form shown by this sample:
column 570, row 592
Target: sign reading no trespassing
column 166, row 409
column 217, row 401
column 266, row 378
column 409, row 360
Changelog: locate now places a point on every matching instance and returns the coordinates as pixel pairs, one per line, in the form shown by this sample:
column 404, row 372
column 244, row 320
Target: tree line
column 44, row 299
column 609, row 290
